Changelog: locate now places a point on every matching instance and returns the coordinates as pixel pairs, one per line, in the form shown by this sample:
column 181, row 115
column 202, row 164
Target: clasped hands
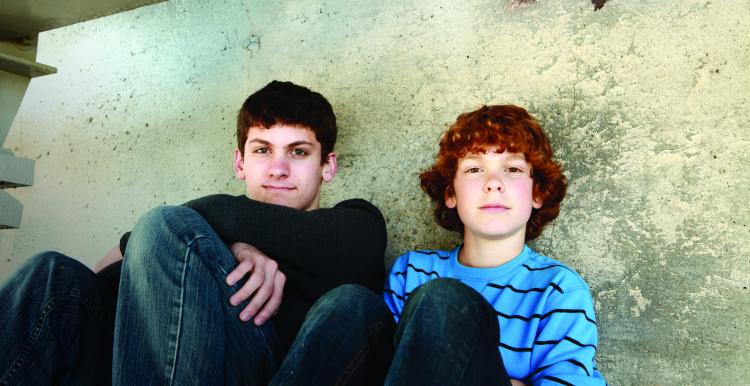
column 264, row 286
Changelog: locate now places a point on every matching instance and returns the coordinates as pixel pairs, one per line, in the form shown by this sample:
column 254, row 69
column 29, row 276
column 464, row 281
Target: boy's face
column 493, row 194
column 281, row 165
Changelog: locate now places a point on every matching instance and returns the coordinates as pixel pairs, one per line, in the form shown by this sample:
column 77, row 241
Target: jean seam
column 353, row 366
column 31, row 341
column 185, row 258
column 37, row 330
column 372, row 329
column 266, row 342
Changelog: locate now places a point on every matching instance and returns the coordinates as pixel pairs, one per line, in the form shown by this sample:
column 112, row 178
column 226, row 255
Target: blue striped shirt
column 544, row 310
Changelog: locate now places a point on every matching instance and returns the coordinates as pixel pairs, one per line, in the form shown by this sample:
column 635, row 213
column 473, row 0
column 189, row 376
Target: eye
column 514, row 169
column 262, row 150
column 473, row 170
column 299, row 152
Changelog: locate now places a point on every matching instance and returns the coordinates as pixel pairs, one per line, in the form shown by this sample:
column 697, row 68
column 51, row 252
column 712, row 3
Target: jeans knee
column 440, row 295
column 351, row 301
column 161, row 224
column 161, row 217
column 51, row 271
column 44, row 263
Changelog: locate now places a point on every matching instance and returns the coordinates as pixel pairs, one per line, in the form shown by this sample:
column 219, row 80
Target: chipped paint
column 640, row 302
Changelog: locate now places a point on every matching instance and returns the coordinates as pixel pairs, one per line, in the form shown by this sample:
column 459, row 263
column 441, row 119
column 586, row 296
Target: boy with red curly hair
column 490, row 312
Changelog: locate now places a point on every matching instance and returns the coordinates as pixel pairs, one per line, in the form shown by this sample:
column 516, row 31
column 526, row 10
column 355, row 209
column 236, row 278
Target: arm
column 111, row 257
column 343, row 244
column 567, row 341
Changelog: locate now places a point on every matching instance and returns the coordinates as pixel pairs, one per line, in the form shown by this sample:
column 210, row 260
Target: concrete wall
column 646, row 103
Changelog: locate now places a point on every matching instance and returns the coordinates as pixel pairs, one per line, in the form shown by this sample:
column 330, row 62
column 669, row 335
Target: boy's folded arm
column 566, row 342
column 343, row 244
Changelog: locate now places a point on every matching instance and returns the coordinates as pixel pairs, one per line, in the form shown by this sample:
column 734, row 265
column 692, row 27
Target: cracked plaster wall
column 646, row 103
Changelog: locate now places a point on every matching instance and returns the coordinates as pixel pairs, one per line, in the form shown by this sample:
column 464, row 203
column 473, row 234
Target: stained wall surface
column 646, row 103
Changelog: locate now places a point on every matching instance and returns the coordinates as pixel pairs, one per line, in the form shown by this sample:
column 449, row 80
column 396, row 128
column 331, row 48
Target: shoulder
column 357, row 203
column 360, row 208
column 215, row 199
column 544, row 268
column 422, row 262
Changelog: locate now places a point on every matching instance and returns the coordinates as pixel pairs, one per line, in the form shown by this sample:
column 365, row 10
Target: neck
column 483, row 253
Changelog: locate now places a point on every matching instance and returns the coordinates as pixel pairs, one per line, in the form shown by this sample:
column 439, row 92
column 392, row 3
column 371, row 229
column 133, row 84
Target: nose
column 278, row 167
column 494, row 182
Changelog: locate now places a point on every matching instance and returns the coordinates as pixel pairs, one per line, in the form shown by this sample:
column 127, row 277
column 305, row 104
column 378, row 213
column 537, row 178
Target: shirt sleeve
column 342, row 244
column 321, row 249
column 394, row 292
column 566, row 343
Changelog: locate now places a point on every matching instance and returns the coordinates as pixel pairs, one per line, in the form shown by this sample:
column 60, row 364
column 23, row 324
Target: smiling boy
column 184, row 297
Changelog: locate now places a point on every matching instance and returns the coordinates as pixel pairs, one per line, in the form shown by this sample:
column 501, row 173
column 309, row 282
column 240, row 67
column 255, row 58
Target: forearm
column 336, row 244
column 111, row 257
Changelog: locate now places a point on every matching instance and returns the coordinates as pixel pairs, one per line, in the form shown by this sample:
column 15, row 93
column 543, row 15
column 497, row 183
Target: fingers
column 273, row 303
column 239, row 272
column 263, row 292
column 256, row 279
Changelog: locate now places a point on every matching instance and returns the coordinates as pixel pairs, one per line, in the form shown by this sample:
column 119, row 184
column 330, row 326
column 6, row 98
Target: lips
column 281, row 188
column 494, row 207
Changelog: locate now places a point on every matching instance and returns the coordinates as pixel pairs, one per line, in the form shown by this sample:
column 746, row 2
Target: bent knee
column 162, row 215
column 44, row 266
column 50, row 260
column 444, row 292
column 446, row 288
column 161, row 223
column 351, row 298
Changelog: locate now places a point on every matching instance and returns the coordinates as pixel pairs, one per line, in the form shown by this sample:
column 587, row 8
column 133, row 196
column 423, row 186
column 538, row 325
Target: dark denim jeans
column 173, row 324
column 346, row 339
column 57, row 321
column 448, row 335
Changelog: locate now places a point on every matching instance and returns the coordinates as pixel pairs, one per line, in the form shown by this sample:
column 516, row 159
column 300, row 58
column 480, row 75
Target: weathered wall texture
column 645, row 101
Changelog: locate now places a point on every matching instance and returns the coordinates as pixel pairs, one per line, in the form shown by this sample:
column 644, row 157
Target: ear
column 329, row 167
column 536, row 203
column 450, row 199
column 239, row 169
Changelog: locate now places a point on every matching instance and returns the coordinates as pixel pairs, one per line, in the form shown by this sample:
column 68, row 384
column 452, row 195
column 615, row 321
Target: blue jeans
column 448, row 335
column 173, row 325
column 346, row 339
column 57, row 321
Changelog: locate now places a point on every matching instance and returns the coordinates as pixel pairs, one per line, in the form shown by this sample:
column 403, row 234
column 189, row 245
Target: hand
column 264, row 287
column 516, row 382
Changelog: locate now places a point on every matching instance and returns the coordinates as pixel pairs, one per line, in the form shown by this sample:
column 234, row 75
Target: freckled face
column 281, row 165
column 493, row 195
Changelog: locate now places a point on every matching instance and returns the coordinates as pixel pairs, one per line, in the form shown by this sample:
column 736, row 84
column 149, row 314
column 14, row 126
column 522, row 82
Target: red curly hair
column 509, row 128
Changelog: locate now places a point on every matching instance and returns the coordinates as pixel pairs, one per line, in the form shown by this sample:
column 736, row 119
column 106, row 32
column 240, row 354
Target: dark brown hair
column 285, row 103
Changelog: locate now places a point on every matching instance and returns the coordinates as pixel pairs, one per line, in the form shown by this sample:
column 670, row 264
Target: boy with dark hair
column 183, row 295
column 490, row 312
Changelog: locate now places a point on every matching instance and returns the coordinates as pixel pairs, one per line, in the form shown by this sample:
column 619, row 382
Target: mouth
column 278, row 188
column 494, row 208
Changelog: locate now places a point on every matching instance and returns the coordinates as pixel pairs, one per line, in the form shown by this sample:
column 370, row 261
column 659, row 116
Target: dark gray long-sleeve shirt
column 317, row 250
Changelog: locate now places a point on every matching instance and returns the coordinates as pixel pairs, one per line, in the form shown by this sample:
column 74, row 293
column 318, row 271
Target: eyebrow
column 290, row 145
column 472, row 156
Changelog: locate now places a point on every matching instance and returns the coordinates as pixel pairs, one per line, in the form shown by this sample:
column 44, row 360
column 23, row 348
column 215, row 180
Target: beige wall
column 645, row 101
